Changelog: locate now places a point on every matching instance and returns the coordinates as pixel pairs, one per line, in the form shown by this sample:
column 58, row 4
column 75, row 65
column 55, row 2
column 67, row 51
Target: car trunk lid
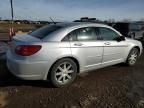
column 26, row 38
column 22, row 40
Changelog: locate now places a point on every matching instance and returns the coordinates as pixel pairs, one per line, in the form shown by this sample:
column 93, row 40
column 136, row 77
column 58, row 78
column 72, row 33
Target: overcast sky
column 69, row 10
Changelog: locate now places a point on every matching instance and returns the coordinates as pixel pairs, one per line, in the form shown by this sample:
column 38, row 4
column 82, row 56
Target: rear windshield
column 44, row 31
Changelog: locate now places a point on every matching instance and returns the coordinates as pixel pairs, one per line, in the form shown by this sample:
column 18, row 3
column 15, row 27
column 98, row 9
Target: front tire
column 132, row 57
column 63, row 72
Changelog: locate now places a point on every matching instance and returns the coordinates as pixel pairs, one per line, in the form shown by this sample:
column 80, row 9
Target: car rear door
column 86, row 47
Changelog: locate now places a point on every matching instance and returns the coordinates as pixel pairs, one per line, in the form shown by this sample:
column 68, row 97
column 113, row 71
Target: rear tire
column 63, row 72
column 132, row 57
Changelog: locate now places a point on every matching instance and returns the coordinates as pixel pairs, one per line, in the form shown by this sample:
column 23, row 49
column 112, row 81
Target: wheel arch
column 72, row 58
column 137, row 48
column 131, row 49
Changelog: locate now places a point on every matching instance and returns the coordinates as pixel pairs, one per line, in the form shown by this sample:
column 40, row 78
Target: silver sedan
column 59, row 52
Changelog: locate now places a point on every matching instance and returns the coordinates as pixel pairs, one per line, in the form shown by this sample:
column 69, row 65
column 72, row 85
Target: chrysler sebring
column 59, row 52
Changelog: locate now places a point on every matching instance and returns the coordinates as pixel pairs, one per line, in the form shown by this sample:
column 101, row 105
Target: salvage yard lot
column 6, row 26
column 4, row 29
column 117, row 86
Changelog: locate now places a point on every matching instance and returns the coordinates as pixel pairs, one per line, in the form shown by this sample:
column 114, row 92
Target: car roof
column 70, row 26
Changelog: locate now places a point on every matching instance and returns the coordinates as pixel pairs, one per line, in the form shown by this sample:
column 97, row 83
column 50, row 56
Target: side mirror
column 120, row 38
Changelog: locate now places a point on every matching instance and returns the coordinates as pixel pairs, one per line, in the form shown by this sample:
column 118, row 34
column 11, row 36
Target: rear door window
column 82, row 34
column 86, row 34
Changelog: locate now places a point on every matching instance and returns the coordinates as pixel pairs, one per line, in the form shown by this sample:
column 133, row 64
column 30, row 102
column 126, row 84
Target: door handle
column 78, row 44
column 107, row 43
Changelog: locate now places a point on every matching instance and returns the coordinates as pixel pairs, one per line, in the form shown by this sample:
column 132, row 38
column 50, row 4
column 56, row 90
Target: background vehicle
column 132, row 30
column 59, row 52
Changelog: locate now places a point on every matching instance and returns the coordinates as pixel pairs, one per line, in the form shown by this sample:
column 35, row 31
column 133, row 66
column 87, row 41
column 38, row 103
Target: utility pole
column 11, row 31
column 12, row 14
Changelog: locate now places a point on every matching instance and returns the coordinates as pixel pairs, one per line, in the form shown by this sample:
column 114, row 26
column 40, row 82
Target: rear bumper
column 28, row 70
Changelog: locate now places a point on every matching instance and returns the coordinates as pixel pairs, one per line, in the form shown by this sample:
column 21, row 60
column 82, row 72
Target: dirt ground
column 117, row 86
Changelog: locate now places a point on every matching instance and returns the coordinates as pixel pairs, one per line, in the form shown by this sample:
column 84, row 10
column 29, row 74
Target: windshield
column 135, row 26
column 44, row 31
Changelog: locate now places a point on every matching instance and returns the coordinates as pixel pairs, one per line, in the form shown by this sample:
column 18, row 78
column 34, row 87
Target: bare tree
column 112, row 20
column 126, row 20
column 142, row 19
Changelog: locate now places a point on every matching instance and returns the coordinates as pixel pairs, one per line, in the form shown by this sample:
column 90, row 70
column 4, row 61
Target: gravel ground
column 117, row 86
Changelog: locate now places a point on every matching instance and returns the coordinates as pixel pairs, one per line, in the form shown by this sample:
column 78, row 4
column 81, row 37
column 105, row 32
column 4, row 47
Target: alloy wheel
column 133, row 56
column 64, row 72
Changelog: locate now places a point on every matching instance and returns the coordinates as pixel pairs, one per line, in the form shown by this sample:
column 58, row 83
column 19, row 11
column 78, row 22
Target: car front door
column 114, row 51
column 86, row 47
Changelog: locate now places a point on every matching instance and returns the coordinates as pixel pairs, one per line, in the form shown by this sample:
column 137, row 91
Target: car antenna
column 52, row 20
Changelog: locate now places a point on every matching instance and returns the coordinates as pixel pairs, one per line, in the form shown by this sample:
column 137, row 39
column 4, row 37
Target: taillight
column 27, row 50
